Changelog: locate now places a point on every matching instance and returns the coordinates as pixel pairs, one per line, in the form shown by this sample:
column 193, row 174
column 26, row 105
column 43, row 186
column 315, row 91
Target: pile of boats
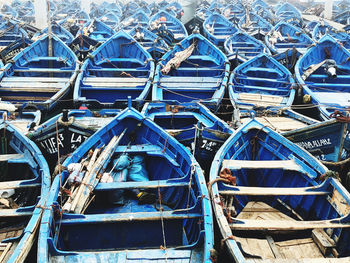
column 128, row 135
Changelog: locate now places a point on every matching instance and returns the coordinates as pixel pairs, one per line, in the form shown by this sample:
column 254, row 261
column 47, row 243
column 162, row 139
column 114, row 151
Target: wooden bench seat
column 143, row 185
column 127, row 217
column 263, row 164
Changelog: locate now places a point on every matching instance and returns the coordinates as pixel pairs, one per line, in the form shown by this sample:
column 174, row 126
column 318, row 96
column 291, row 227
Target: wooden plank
column 255, row 246
column 271, row 225
column 24, row 98
column 273, row 247
column 113, row 80
column 115, row 85
column 260, row 99
column 30, row 89
column 191, row 79
column 34, row 79
column 6, row 157
column 263, row 164
column 323, row 241
column 45, row 70
column 272, row 191
column 24, row 85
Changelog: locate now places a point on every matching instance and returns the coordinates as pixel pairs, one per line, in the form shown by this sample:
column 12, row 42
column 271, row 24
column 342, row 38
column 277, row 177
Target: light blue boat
column 324, row 73
column 200, row 74
column 266, row 189
column 174, row 225
column 261, row 83
column 118, row 68
column 24, row 187
column 40, row 75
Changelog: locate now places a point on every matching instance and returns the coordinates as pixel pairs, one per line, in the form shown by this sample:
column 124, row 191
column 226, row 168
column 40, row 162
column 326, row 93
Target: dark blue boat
column 14, row 48
column 71, row 128
column 261, row 82
column 266, row 190
column 324, row 140
column 324, row 73
column 285, row 36
column 193, row 125
column 243, row 47
column 97, row 30
column 168, row 27
column 24, row 187
column 150, row 41
column 169, row 202
column 59, row 31
column 118, row 68
column 288, row 58
column 194, row 70
column 322, row 29
column 41, row 74
column 217, row 29
column 83, row 45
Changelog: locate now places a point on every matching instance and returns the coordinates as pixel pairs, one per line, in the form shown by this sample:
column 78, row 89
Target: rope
column 162, row 221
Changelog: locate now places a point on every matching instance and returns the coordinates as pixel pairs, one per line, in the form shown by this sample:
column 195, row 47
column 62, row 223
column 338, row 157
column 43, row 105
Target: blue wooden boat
column 113, row 7
column 14, row 48
column 59, row 31
column 83, row 45
column 233, row 12
column 322, row 29
column 9, row 11
column 242, row 47
column 203, row 14
column 217, row 29
column 309, row 27
column 150, row 41
column 110, row 19
column 285, row 36
column 255, row 25
column 175, row 7
column 261, row 82
column 10, row 32
column 41, row 74
column 129, row 8
column 24, row 120
column 199, row 73
column 144, row 8
column 138, row 19
column 266, row 190
column 97, row 30
column 118, row 68
column 265, row 13
column 324, row 73
column 163, row 21
column 72, row 128
column 324, row 140
column 176, row 213
column 24, row 187
column 289, row 13
column 193, row 125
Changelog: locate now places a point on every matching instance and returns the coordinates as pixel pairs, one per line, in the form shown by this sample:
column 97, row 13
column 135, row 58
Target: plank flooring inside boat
column 266, row 247
column 280, row 123
column 260, row 99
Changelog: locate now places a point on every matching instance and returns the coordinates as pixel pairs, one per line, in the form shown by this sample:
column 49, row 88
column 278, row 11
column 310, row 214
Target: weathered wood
column 273, row 247
column 271, row 191
column 25, row 98
column 6, row 157
column 323, row 241
column 34, row 79
column 98, row 80
column 31, row 89
column 271, row 225
column 264, row 164
column 191, row 80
